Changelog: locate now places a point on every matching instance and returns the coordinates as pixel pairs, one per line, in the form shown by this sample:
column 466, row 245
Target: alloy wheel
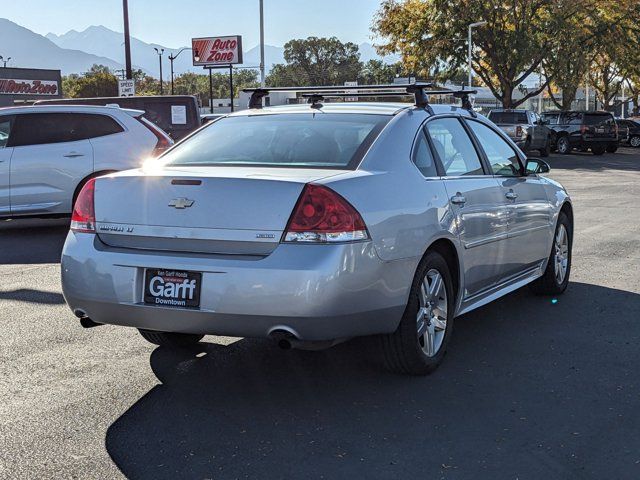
column 563, row 145
column 561, row 258
column 431, row 320
column 635, row 142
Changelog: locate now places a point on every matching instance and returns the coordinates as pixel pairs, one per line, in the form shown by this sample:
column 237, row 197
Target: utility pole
column 262, row 77
column 127, row 39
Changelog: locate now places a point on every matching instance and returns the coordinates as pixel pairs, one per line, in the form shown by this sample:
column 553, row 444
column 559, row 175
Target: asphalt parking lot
column 530, row 389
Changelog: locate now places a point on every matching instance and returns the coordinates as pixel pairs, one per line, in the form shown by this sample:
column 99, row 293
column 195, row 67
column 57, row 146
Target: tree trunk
column 507, row 96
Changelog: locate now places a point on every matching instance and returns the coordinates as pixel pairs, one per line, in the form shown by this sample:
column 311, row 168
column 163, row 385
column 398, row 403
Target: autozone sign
column 217, row 50
column 13, row 86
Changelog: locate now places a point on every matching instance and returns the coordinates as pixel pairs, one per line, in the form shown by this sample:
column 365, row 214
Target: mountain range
column 76, row 52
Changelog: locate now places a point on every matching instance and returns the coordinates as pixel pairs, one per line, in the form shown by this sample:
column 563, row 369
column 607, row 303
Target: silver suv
column 525, row 128
column 47, row 153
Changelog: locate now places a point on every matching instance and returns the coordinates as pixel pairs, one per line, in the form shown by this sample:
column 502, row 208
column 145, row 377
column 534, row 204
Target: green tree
column 317, row 61
column 97, row 82
column 512, row 45
column 377, row 72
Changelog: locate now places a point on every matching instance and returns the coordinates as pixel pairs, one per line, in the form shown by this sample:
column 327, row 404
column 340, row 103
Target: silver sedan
column 311, row 224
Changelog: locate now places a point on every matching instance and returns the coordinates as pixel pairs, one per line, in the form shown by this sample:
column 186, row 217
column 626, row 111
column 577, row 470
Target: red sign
column 28, row 87
column 214, row 51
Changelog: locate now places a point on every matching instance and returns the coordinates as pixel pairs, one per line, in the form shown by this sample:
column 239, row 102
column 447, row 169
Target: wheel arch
column 447, row 249
column 85, row 180
column 567, row 209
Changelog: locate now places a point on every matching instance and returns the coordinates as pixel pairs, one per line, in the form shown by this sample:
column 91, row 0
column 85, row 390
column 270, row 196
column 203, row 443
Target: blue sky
column 174, row 22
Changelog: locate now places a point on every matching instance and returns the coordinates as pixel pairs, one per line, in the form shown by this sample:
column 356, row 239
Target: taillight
column 323, row 216
column 83, row 218
column 164, row 141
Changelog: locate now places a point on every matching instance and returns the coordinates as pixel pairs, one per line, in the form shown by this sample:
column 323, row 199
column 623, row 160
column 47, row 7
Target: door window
column 5, row 129
column 502, row 158
column 454, row 147
column 423, row 158
column 45, row 128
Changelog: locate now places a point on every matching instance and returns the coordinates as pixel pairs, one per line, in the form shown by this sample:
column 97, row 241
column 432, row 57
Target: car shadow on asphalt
column 30, row 295
column 32, row 241
column 531, row 387
column 627, row 159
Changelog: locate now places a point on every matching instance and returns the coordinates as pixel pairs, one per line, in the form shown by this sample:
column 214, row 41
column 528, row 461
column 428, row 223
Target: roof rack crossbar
column 420, row 91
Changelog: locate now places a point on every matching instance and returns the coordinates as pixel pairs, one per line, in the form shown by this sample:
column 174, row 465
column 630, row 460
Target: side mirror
column 536, row 166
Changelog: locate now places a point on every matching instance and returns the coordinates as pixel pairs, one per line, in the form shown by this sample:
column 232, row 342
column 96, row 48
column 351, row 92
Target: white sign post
column 126, row 88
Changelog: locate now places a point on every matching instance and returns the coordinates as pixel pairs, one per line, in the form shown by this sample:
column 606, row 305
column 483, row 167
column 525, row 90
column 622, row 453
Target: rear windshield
column 293, row 140
column 508, row 117
column 595, row 119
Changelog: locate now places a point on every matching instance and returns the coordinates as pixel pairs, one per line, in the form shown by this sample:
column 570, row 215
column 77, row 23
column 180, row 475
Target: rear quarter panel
column 125, row 150
column 404, row 211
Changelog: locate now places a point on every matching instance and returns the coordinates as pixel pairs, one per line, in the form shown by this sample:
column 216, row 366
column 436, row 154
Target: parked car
column 525, row 128
column 633, row 128
column 595, row 131
column 177, row 115
column 47, row 153
column 311, row 228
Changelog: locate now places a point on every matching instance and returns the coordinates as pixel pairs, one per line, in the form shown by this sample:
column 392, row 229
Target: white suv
column 47, row 153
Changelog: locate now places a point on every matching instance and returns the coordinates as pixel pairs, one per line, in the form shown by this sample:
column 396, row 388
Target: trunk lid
column 219, row 210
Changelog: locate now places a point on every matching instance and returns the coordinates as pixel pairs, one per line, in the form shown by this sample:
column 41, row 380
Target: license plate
column 172, row 288
column 599, row 130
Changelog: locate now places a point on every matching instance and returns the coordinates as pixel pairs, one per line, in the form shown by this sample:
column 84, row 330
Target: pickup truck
column 578, row 129
column 525, row 128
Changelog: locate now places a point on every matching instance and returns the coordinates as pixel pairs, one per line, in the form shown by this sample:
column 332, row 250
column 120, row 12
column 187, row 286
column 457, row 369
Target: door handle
column 73, row 155
column 458, row 199
column 511, row 195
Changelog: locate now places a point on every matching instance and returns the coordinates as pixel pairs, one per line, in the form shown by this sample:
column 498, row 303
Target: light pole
column 470, row 46
column 171, row 58
column 261, row 43
column 4, row 61
column 160, row 52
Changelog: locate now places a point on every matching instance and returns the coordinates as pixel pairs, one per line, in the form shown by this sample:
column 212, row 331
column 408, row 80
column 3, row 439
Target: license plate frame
column 165, row 287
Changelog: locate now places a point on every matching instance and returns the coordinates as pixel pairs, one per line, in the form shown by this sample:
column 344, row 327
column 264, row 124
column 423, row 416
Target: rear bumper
column 316, row 292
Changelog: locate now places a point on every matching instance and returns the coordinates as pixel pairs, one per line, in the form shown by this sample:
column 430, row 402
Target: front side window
column 502, row 158
column 454, row 147
column 288, row 140
column 5, row 130
column 423, row 158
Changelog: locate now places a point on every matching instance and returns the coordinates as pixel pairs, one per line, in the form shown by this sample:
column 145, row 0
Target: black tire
column 548, row 283
column 598, row 149
column 169, row 339
column 612, row 148
column 563, row 145
column 544, row 152
column 403, row 349
column 634, row 141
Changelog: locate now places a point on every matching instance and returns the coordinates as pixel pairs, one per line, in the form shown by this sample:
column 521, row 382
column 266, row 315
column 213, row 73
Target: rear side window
column 5, row 130
column 454, row 147
column 46, row 128
column 573, row 118
column 94, row 125
column 281, row 140
column 508, row 117
column 423, row 157
column 551, row 118
column 597, row 119
column 502, row 158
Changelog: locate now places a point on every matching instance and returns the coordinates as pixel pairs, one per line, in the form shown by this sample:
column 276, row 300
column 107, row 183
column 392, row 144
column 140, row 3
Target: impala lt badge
column 181, row 203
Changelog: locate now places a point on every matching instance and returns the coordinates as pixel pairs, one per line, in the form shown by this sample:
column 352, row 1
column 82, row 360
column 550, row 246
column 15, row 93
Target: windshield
column 508, row 117
column 291, row 140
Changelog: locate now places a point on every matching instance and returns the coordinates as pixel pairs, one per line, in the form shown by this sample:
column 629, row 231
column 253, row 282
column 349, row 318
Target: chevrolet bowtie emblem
column 181, row 203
